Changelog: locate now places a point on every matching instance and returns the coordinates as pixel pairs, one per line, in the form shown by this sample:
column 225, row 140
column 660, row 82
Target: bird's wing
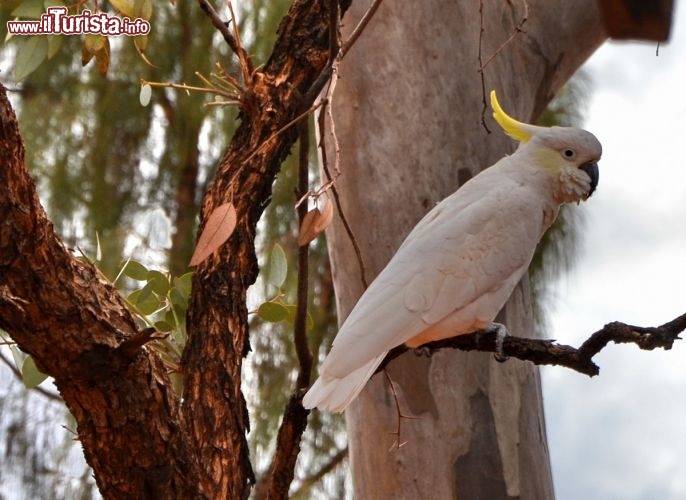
column 456, row 253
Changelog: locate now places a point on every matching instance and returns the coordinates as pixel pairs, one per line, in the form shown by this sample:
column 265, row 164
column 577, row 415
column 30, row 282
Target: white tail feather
column 335, row 394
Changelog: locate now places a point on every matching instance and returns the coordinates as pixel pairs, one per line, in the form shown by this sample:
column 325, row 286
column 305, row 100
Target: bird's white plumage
column 457, row 267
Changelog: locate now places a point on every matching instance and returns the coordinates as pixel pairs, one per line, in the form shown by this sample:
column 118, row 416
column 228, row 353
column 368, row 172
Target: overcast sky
column 622, row 435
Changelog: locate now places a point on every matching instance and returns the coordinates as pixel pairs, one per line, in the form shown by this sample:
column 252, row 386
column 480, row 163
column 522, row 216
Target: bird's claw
column 501, row 332
column 423, row 351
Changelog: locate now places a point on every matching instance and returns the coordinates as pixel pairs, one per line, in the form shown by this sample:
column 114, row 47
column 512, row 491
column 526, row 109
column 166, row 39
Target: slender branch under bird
column 549, row 352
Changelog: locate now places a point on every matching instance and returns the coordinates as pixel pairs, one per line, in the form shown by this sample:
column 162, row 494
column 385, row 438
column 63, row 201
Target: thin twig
column 332, row 122
column 518, row 29
column 548, row 352
column 337, row 199
column 482, row 65
column 277, row 481
column 334, row 52
column 266, row 142
column 245, row 61
column 302, row 348
column 397, row 444
column 484, row 106
column 360, row 27
column 50, row 395
column 309, row 481
column 222, row 26
column 234, row 97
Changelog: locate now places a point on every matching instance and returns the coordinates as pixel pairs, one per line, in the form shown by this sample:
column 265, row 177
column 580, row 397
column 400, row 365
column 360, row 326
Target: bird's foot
column 501, row 332
column 423, row 351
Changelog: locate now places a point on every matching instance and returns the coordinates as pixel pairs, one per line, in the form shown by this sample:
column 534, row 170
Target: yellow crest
column 517, row 130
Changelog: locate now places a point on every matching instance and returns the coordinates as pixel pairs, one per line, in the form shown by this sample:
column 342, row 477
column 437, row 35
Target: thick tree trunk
column 408, row 111
column 140, row 439
column 74, row 324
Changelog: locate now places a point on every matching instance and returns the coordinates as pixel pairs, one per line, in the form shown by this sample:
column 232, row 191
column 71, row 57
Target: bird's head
column 570, row 154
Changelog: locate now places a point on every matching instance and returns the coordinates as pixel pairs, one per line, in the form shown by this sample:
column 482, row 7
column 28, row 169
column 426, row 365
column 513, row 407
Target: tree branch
column 217, row 316
column 223, row 28
column 309, row 481
column 294, row 421
column 347, row 45
column 50, row 395
column 59, row 310
column 548, row 352
column 300, row 327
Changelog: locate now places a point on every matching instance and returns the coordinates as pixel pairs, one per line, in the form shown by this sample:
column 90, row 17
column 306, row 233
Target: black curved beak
column 592, row 170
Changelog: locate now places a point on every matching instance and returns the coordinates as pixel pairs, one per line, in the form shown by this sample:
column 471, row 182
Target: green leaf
column 184, row 284
column 143, row 9
column 272, row 312
column 54, row 44
column 145, row 95
column 163, row 326
column 30, row 373
column 159, row 283
column 292, row 308
column 86, row 55
column 94, row 43
column 278, row 266
column 18, row 356
column 141, row 42
column 31, row 52
column 145, row 301
column 170, row 318
column 180, row 292
column 31, row 9
column 102, row 58
column 135, row 270
column 52, row 3
column 125, row 7
column 98, row 248
column 146, row 292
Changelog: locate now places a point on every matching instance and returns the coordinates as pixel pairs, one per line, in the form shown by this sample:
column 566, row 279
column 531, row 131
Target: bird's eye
column 568, row 153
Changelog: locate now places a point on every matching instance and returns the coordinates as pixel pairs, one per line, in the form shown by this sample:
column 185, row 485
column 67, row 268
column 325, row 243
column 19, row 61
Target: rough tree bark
column 408, row 111
column 75, row 325
column 141, row 441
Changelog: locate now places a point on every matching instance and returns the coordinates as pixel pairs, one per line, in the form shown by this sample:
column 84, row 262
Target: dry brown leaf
column 220, row 224
column 325, row 218
column 314, row 222
column 307, row 232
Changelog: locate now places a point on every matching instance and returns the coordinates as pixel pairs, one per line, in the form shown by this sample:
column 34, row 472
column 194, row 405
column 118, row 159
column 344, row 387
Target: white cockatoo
column 458, row 266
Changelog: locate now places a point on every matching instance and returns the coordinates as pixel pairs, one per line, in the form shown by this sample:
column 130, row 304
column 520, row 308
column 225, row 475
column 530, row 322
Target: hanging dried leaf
column 326, row 216
column 314, row 222
column 220, row 224
column 307, row 232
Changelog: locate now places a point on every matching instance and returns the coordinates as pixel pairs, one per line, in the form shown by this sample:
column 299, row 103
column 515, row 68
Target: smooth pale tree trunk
column 408, row 110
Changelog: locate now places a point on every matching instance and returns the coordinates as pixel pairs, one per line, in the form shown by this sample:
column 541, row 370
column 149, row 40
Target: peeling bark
column 412, row 123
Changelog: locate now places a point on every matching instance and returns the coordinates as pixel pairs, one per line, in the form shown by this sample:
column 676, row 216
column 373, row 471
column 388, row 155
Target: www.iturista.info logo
column 56, row 21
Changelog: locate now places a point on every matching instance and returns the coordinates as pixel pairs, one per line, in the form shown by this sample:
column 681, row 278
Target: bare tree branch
column 326, row 110
column 334, row 49
column 50, row 395
column 548, row 352
column 223, row 28
column 309, row 481
column 294, row 421
column 360, row 27
column 300, row 327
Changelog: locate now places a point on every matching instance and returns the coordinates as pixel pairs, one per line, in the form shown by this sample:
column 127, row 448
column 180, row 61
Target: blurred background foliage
column 129, row 179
